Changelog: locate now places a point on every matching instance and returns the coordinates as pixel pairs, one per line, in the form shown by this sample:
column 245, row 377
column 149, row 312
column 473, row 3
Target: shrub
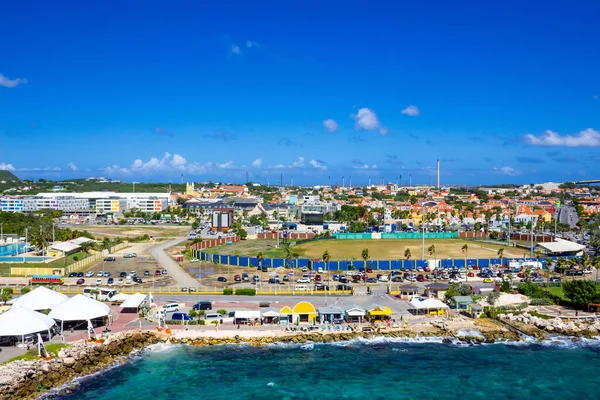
column 580, row 293
column 75, row 258
column 505, row 287
column 227, row 291
column 540, row 302
column 264, row 304
column 523, row 305
column 245, row 292
column 222, row 311
column 201, row 322
column 25, row 290
column 193, row 313
column 530, row 290
column 493, row 297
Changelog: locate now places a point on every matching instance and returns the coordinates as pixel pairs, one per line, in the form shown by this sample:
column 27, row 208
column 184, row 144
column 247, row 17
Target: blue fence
column 344, row 265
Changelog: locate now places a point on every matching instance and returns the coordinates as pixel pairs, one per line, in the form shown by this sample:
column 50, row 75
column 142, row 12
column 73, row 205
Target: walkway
column 182, row 278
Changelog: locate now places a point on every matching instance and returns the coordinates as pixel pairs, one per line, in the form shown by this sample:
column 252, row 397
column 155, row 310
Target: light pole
column 1, row 223
column 25, row 249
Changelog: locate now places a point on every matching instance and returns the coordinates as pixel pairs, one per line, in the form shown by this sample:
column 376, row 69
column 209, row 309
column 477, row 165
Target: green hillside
column 8, row 176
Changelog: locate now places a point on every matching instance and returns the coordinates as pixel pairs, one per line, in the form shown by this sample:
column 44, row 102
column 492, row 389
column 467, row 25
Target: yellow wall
column 21, row 271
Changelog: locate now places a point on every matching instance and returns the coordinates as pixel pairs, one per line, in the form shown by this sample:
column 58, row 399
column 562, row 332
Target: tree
column 326, row 256
column 431, row 251
column 596, row 264
column 86, row 246
column 243, row 233
column 500, row 253
column 105, row 244
column 25, row 290
column 579, row 293
column 465, row 249
column 407, row 254
column 365, row 255
column 6, row 294
column 259, row 258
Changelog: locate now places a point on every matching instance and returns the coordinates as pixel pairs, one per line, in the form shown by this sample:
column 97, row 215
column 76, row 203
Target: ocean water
column 378, row 369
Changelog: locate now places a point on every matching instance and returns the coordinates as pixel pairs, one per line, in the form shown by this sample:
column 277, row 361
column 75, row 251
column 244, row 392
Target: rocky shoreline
column 33, row 379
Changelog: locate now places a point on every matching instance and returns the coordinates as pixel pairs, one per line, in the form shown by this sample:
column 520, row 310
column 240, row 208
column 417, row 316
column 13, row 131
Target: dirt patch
column 130, row 231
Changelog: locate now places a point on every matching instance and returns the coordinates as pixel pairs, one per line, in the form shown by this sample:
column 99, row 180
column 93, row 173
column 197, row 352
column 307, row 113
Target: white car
column 383, row 278
column 303, row 280
column 193, row 260
column 100, row 274
column 89, row 274
column 98, row 282
column 164, row 271
column 587, row 271
column 454, row 280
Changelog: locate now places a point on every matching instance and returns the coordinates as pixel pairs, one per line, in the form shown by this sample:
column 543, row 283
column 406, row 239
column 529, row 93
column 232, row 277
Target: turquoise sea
column 378, row 369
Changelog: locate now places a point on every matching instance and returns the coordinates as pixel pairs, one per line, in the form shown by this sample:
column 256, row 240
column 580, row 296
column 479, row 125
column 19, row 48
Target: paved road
column 568, row 215
column 182, row 278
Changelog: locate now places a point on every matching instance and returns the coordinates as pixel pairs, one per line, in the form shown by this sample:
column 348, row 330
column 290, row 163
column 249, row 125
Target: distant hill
column 8, row 176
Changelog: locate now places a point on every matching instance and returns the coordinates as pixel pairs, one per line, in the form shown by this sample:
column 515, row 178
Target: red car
column 420, row 278
column 427, row 269
column 317, row 278
column 80, row 281
column 369, row 270
column 237, row 278
column 470, row 275
column 157, row 272
column 521, row 275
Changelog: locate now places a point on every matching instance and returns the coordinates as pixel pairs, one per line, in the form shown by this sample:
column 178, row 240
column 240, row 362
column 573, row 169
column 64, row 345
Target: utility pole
column 531, row 248
column 25, row 250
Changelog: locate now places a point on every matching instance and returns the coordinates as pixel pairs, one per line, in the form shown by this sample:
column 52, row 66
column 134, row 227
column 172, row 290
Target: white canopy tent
column 243, row 316
column 79, row 308
column 120, row 297
column 426, row 304
column 40, row 298
column 20, row 321
column 134, row 301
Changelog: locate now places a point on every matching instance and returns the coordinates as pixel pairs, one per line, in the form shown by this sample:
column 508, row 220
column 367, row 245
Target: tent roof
column 120, row 297
column 424, row 304
column 134, row 301
column 380, row 310
column 65, row 247
column 355, row 311
column 561, row 246
column 80, row 240
column 40, row 298
column 79, row 308
column 247, row 314
column 438, row 286
column 270, row 312
column 19, row 321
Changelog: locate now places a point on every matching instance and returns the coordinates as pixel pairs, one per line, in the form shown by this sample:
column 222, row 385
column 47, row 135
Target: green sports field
column 384, row 249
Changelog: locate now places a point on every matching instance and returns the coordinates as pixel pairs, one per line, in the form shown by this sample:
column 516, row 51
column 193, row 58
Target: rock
column 69, row 361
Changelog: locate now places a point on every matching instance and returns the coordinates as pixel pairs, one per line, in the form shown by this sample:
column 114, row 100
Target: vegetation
column 227, row 291
column 579, row 293
column 245, row 292
column 6, row 294
column 32, row 354
column 222, row 311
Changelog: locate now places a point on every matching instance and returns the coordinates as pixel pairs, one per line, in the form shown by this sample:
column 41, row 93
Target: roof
column 329, row 310
column 421, row 303
column 270, row 312
column 65, row 247
column 462, row 299
column 562, row 246
column 410, row 288
column 40, row 298
column 134, row 301
column 19, row 321
column 79, row 308
column 438, row 286
column 355, row 311
column 380, row 310
column 247, row 314
column 80, row 240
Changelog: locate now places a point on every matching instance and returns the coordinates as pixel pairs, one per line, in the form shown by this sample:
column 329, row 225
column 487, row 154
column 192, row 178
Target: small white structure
column 40, row 298
column 133, row 302
column 19, row 321
column 427, row 305
column 355, row 314
column 243, row 316
column 79, row 308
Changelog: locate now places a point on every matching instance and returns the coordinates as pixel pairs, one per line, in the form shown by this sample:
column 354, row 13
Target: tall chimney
column 438, row 172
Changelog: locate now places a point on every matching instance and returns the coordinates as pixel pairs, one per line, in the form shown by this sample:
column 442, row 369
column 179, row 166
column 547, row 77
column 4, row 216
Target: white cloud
column 250, row 43
column 585, row 138
column 257, row 163
column 596, row 97
column 299, row 163
column 509, row 171
column 331, row 125
column 279, row 166
column 411, row 111
column 11, row 83
column 226, row 165
column 39, row 169
column 318, row 165
column 236, row 50
column 364, row 166
column 7, row 167
column 73, row 166
column 115, row 170
column 367, row 119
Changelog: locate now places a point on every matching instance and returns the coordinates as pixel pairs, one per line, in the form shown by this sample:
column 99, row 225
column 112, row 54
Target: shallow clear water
column 356, row 370
column 11, row 249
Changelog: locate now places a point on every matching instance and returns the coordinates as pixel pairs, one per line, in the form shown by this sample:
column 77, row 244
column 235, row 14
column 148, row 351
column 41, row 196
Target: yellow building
column 379, row 313
column 304, row 313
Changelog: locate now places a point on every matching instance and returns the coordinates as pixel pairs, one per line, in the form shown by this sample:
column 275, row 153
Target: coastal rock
column 69, row 361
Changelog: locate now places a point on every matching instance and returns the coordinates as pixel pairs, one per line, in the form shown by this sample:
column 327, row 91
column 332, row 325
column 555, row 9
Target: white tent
column 19, row 321
column 120, row 297
column 134, row 301
column 243, row 316
column 79, row 308
column 40, row 298
column 420, row 303
column 270, row 313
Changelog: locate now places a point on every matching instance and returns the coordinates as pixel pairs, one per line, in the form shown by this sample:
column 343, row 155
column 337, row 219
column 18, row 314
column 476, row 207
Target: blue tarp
column 278, row 262
column 483, row 262
column 244, row 261
column 224, row 260
column 234, row 260
column 383, row 264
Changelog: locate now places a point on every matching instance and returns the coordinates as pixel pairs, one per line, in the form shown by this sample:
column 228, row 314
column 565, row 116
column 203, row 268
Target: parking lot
column 141, row 264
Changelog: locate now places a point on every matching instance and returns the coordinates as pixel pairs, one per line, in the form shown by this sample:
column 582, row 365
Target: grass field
column 378, row 249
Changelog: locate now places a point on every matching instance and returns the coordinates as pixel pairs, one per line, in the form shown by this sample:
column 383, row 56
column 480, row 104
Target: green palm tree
column 500, row 254
column 365, row 256
column 259, row 258
column 596, row 264
column 105, row 244
column 326, row 256
column 465, row 249
column 431, row 251
column 548, row 269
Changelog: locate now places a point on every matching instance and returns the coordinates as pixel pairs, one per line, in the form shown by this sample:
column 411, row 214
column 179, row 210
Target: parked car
column 80, row 274
column 273, row 280
column 192, row 290
column 256, row 278
column 98, row 282
column 237, row 278
column 397, row 279
column 317, row 278
column 106, row 274
column 194, row 260
column 555, row 279
column 179, row 316
column 122, row 274
column 80, row 281
column 369, row 270
column 157, row 273
column 383, row 278
column 488, row 280
column 137, row 279
column 222, row 279
column 371, row 280
column 454, row 280
column 420, row 278
column 164, row 272
column 184, row 289
column 73, row 275
column 245, row 277
column 89, row 274
column 202, row 305
column 110, row 281
column 303, row 280
column 130, row 255
column 111, row 258
column 429, row 276
column 343, row 279
column 537, row 279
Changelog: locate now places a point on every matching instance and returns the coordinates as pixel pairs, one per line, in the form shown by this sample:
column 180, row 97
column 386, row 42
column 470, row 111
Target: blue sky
column 498, row 91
